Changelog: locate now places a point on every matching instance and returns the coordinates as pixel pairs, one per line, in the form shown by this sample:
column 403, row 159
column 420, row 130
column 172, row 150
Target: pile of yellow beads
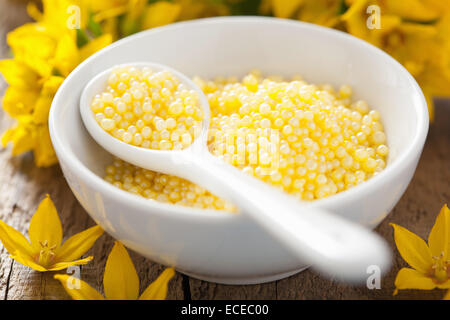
column 162, row 187
column 148, row 109
column 307, row 140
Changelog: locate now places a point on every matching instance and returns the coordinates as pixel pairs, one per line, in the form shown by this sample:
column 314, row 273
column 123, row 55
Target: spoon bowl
column 156, row 160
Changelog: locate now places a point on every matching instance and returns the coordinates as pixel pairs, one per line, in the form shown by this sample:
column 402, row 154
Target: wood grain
column 23, row 186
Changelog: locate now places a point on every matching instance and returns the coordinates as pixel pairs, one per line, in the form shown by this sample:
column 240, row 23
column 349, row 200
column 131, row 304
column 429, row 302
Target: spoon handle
column 333, row 245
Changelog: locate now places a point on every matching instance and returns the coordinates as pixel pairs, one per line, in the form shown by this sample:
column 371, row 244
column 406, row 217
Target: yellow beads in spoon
column 148, row 109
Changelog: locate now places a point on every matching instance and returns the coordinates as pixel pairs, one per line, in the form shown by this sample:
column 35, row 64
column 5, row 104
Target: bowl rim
column 67, row 156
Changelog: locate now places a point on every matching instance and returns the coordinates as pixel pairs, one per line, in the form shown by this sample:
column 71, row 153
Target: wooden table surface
column 23, row 186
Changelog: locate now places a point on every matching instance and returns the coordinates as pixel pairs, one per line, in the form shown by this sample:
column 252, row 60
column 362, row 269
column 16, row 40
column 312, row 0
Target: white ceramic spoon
column 332, row 245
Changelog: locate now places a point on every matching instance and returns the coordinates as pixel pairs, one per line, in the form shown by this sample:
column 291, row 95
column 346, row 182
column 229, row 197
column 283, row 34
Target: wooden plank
column 202, row 290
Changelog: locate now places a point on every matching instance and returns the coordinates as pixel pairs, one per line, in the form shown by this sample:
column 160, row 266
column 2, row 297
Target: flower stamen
column 46, row 254
column 440, row 269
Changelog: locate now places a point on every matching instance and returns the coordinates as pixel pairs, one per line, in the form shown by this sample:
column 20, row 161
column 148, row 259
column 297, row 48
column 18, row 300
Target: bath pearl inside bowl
column 214, row 245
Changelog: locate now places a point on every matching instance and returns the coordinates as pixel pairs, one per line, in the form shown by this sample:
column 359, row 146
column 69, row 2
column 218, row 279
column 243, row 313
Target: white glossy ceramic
column 218, row 246
column 333, row 245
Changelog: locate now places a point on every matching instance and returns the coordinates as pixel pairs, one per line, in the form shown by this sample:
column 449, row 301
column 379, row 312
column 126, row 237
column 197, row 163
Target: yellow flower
column 107, row 8
column 135, row 15
column 44, row 54
column 323, row 12
column 159, row 14
column 24, row 87
column 28, row 135
column 32, row 44
column 430, row 263
column 416, row 37
column 435, row 76
column 55, row 16
column 66, row 53
column 285, row 8
column 120, row 281
column 28, row 91
column 193, row 9
column 438, row 5
column 447, row 295
column 44, row 251
column 416, row 10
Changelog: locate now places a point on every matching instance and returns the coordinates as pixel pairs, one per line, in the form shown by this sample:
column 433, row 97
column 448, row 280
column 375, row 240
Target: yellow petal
column 14, row 241
column 34, row 12
column 120, row 279
column 23, row 142
column 67, row 56
column 85, row 292
column 51, row 85
column 412, row 249
column 194, row 9
column 430, row 104
column 285, row 8
column 95, row 45
column 109, row 14
column 444, row 285
column 56, row 15
column 18, row 74
column 447, row 295
column 411, row 279
column 322, row 12
column 135, row 8
column 45, row 225
column 110, row 26
column 44, row 154
column 159, row 14
column 43, row 103
column 78, row 244
column 435, row 78
column 33, row 45
column 157, row 290
column 42, row 109
column 418, row 30
column 439, row 238
column 438, row 5
column 355, row 9
column 102, row 5
column 64, row 265
column 411, row 9
column 19, row 101
column 21, row 136
column 355, row 19
column 27, row 261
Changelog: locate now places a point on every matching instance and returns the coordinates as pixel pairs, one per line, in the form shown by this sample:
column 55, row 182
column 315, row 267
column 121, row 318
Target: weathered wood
column 23, row 186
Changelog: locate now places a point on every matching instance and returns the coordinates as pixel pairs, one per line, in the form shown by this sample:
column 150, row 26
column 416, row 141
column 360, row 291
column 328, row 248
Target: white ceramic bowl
column 217, row 246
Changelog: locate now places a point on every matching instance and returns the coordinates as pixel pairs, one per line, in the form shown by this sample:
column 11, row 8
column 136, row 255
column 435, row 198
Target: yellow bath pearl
column 382, row 150
column 361, row 155
column 378, row 137
column 362, row 107
column 345, row 91
column 107, row 124
column 370, row 165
